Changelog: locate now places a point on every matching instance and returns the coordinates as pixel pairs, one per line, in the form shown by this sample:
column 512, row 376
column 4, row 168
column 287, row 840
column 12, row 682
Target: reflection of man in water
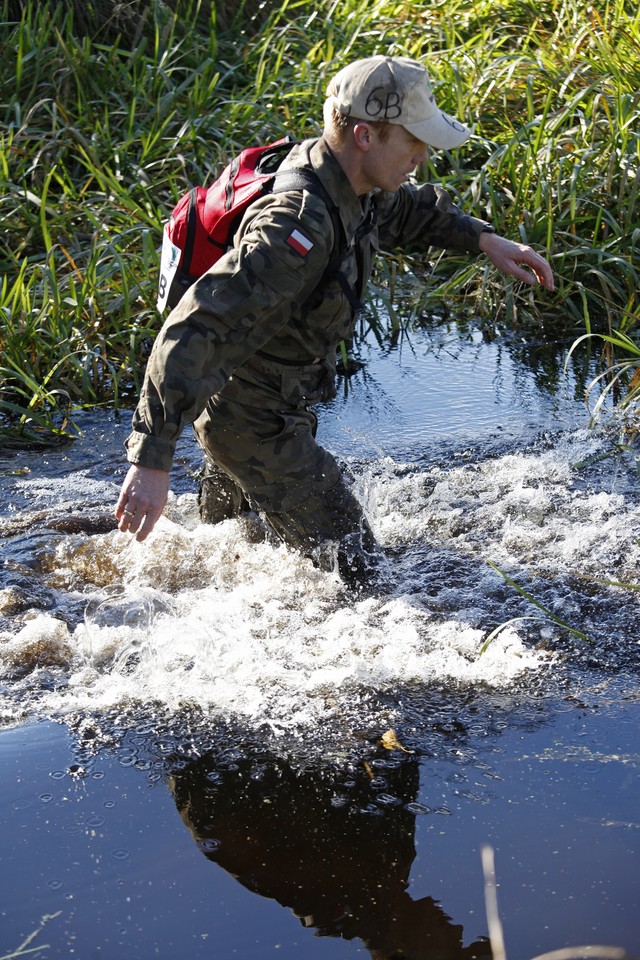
column 338, row 854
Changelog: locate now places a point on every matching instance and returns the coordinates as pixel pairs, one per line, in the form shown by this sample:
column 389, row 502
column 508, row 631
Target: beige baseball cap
column 396, row 90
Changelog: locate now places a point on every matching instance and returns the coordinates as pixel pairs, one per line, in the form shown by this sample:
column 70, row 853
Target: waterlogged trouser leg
column 219, row 497
column 271, row 459
column 331, row 527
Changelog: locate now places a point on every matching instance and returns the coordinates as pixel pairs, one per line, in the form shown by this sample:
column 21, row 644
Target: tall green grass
column 100, row 134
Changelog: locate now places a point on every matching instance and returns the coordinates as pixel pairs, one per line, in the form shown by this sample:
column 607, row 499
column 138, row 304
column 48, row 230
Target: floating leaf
column 389, row 741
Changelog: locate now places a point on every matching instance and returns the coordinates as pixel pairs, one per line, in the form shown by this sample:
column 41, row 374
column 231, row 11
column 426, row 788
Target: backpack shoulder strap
column 305, row 178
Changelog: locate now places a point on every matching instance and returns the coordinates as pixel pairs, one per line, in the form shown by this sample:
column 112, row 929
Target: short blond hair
column 337, row 124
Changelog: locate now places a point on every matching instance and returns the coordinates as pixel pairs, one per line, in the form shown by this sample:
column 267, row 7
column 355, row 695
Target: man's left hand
column 510, row 257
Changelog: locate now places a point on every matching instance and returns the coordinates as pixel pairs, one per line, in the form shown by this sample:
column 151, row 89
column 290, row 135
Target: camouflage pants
column 267, row 458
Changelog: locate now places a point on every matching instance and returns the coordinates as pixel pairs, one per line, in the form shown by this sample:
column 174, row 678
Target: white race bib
column 169, row 259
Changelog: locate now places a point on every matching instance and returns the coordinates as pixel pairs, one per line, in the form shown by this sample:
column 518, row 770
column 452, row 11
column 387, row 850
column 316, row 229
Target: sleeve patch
column 299, row 242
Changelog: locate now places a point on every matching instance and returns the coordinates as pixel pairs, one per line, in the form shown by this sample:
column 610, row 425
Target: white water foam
column 252, row 630
column 523, row 508
column 205, row 615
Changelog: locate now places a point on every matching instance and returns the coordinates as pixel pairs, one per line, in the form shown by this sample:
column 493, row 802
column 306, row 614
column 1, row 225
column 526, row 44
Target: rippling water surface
column 210, row 749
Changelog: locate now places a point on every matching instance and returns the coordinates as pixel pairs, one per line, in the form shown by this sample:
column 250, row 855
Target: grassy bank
column 105, row 125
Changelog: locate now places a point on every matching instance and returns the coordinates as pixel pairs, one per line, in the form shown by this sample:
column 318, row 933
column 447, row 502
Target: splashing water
column 241, row 626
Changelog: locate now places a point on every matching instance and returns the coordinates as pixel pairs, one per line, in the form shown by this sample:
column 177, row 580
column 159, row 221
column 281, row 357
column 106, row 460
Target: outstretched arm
column 512, row 258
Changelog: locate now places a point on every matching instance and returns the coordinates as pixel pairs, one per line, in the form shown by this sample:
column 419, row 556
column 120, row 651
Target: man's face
column 389, row 163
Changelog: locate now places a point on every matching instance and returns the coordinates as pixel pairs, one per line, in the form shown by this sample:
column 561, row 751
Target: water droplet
column 95, row 821
column 387, row 800
column 127, row 760
column 418, row 808
column 71, row 829
column 378, row 783
column 209, row 845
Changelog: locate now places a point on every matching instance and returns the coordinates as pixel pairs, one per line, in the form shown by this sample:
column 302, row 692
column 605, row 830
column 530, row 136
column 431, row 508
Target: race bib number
column 169, row 260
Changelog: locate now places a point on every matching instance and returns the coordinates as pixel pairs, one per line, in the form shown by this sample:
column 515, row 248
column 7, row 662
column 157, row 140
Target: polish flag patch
column 300, row 243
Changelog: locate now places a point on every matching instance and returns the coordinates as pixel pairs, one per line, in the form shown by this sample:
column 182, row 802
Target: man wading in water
column 251, row 346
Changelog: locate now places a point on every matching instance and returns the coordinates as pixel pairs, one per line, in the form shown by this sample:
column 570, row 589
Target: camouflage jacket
column 255, row 297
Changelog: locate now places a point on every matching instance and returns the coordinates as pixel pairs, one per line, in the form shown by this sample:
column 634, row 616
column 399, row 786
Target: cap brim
column 440, row 131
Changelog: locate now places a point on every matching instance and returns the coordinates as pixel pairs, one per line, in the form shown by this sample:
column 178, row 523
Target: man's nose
column 421, row 154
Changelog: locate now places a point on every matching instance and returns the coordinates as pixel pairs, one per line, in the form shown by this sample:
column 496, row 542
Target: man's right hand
column 142, row 499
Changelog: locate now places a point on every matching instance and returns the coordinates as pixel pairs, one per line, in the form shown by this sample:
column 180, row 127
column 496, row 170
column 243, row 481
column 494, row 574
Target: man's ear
column 362, row 135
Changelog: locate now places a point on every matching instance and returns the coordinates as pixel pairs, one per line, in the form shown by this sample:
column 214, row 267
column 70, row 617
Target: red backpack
column 201, row 226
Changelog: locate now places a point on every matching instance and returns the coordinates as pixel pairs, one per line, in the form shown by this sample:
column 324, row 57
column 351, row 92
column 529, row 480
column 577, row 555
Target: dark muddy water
column 209, row 750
